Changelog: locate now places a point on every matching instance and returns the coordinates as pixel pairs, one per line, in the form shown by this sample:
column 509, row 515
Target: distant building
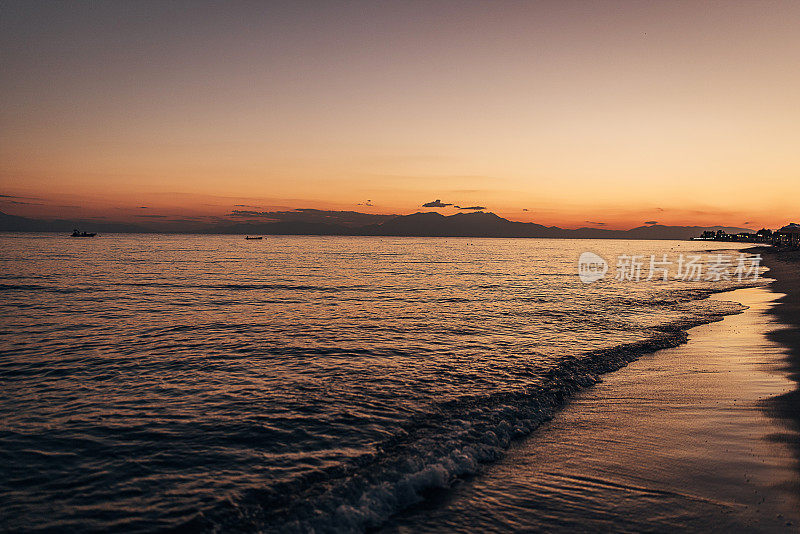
column 788, row 236
column 764, row 232
column 708, row 234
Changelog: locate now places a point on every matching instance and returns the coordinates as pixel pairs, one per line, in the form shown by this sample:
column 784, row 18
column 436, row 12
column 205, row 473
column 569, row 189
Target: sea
column 208, row 383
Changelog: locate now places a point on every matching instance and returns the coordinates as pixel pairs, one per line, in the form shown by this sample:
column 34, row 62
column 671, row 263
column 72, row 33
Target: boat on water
column 248, row 237
column 76, row 233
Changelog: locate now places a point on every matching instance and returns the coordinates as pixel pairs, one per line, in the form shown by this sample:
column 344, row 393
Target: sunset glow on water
column 401, row 266
column 200, row 379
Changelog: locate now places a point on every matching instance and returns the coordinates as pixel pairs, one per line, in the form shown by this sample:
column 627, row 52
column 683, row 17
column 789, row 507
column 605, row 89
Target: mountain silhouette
column 477, row 224
column 483, row 224
column 421, row 224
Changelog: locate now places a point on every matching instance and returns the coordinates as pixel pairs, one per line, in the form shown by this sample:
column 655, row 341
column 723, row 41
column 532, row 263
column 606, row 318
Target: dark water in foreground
column 294, row 383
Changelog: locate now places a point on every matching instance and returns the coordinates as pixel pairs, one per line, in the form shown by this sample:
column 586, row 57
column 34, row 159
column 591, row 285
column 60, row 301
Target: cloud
column 367, row 203
column 435, row 204
column 20, row 198
column 524, row 209
column 597, row 223
column 471, row 207
column 19, row 202
column 651, row 222
column 143, row 207
column 189, row 218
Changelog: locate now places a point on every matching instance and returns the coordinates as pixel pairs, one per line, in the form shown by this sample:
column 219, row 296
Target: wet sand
column 692, row 438
column 784, row 268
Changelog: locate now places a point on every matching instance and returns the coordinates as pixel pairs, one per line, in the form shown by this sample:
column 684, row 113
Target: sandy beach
column 698, row 437
column 784, row 268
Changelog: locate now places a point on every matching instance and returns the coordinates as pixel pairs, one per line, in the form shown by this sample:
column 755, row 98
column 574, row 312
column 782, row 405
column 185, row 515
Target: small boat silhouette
column 248, row 237
column 76, row 233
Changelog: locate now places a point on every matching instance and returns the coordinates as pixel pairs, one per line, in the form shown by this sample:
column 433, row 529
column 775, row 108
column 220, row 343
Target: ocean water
column 208, row 383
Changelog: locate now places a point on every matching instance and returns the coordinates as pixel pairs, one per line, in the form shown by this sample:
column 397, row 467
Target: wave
column 432, row 450
column 249, row 286
column 228, row 287
column 51, row 289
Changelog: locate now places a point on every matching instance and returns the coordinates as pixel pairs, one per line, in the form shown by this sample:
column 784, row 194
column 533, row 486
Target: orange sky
column 552, row 112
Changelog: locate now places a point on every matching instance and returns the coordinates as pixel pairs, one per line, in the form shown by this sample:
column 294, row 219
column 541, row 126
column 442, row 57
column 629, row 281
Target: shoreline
column 540, row 486
column 784, row 269
column 576, row 378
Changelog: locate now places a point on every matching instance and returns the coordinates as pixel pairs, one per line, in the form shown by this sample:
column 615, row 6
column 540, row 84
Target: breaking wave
column 432, row 451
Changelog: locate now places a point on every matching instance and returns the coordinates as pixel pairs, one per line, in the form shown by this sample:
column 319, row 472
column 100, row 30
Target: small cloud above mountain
column 22, row 198
column 436, row 204
column 9, row 199
column 651, row 222
column 20, row 202
column 471, row 207
column 597, row 223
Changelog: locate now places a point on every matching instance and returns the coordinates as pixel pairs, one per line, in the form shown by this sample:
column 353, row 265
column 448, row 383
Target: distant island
column 314, row 222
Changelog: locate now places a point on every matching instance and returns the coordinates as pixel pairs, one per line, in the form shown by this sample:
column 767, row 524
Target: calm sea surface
column 296, row 383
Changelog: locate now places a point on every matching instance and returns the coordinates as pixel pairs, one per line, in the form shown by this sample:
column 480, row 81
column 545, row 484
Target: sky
column 563, row 113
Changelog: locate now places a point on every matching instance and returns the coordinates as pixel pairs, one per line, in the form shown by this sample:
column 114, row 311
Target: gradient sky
column 554, row 112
